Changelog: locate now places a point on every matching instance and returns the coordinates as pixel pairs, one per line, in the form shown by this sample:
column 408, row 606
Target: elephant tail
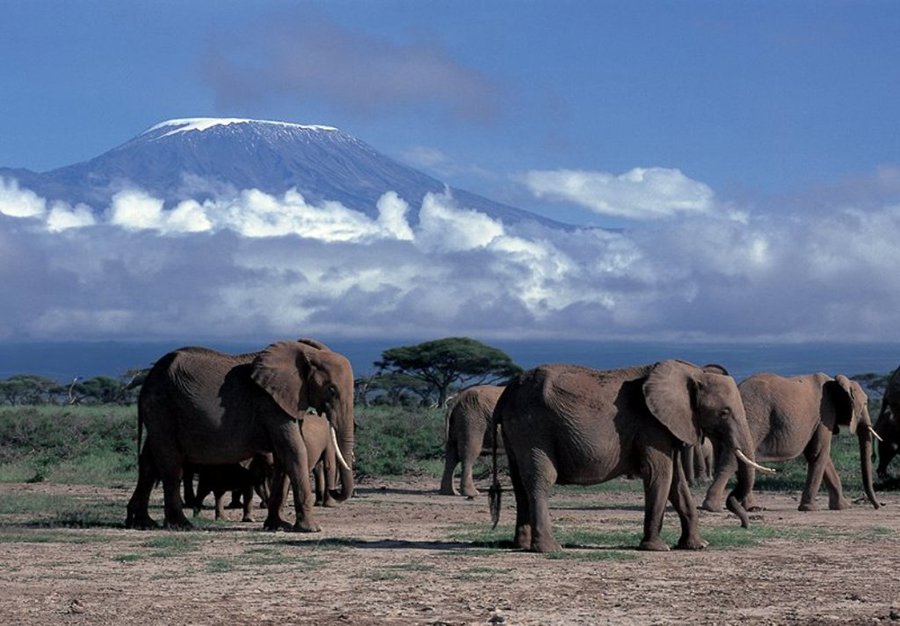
column 496, row 491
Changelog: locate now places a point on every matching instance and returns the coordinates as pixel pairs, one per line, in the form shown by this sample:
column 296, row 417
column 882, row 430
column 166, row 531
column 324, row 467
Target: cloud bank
column 255, row 265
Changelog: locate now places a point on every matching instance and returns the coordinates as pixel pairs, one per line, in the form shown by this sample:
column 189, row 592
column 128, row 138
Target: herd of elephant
column 290, row 407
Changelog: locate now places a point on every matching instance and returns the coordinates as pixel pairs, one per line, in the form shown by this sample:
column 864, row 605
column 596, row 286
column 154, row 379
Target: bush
column 398, row 440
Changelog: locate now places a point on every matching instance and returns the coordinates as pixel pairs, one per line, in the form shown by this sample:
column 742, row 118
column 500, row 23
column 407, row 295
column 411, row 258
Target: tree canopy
column 445, row 364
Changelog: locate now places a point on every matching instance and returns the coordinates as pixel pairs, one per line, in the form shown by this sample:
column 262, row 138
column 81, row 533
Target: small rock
column 497, row 619
column 894, row 614
column 75, row 606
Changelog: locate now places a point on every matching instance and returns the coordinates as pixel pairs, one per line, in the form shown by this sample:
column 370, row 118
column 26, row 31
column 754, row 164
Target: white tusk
column 337, row 450
column 743, row 457
column 874, row 434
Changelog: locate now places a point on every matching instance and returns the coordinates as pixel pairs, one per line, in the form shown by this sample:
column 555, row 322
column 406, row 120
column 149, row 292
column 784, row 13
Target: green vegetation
column 399, row 440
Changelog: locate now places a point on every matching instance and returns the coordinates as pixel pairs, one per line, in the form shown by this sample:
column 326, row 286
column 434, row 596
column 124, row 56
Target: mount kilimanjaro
column 208, row 158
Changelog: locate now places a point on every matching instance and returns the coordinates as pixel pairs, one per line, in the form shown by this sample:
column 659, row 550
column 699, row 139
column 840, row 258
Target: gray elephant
column 568, row 424
column 468, row 433
column 887, row 426
column 204, row 407
column 798, row 415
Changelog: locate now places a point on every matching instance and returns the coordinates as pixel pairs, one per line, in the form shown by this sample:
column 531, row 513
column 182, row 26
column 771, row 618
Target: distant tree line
column 425, row 374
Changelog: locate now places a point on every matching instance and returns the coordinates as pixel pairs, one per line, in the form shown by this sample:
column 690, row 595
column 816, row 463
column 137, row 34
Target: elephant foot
column 470, row 493
column 179, row 524
column 654, row 544
column 306, row 527
column 713, row 506
column 330, row 503
column 447, row 491
column 693, row 542
column 545, row 544
column 808, row 506
column 247, row 518
column 522, row 540
column 141, row 522
column 275, row 524
column 839, row 505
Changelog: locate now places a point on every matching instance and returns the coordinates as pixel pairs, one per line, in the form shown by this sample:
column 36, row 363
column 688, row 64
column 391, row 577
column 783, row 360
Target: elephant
column 243, row 478
column 201, row 406
column 467, row 435
column 798, row 415
column 887, row 427
column 320, row 450
column 569, row 424
column 697, row 461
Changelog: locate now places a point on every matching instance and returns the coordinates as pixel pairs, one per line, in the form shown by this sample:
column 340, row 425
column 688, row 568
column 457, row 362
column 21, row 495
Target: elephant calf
column 468, row 434
column 245, row 477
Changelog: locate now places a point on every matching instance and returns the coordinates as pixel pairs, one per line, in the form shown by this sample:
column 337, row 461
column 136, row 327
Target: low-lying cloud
column 253, row 264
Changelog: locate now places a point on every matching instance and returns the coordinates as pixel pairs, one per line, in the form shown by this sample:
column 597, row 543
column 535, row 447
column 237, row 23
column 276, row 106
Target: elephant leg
column 174, row 507
column 538, row 484
column 247, row 493
column 683, row 502
column 726, row 466
column 466, row 481
column 656, row 469
column 275, row 501
column 138, row 515
column 291, row 452
column 190, row 496
column 451, row 460
column 817, row 454
column 522, row 539
column 836, row 499
column 219, row 495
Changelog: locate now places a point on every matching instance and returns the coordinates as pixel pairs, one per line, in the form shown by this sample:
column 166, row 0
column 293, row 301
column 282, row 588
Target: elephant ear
column 669, row 391
column 715, row 368
column 281, row 370
column 315, row 343
column 845, row 397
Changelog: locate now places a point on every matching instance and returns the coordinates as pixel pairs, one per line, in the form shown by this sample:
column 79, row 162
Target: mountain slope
column 205, row 158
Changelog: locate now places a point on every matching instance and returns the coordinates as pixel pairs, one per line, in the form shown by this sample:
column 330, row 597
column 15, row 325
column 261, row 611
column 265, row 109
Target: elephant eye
column 725, row 413
column 332, row 391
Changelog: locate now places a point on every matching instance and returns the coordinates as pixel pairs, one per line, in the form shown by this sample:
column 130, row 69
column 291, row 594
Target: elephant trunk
column 345, row 470
column 746, row 475
column 865, row 462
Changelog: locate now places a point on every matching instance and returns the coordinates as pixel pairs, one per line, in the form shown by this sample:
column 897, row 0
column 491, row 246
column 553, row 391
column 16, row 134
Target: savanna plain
column 399, row 553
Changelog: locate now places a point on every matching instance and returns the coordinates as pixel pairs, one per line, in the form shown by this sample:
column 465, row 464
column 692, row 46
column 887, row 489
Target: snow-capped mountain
column 206, row 158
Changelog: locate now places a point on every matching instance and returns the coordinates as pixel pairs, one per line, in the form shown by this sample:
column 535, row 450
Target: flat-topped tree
column 450, row 362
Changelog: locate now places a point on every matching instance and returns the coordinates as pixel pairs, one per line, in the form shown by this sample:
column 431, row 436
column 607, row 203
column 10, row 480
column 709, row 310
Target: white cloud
column 640, row 194
column 261, row 264
column 17, row 202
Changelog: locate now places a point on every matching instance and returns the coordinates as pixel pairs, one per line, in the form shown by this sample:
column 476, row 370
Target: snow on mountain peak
column 205, row 123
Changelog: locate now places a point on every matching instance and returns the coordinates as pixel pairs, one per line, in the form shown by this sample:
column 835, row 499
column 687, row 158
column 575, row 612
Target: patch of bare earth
column 398, row 553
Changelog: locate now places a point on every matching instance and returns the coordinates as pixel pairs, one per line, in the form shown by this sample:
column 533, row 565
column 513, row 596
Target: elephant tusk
column 874, row 434
column 743, row 457
column 337, row 450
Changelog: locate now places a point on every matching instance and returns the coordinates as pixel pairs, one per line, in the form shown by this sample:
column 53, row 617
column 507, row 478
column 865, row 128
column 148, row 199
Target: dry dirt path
column 398, row 553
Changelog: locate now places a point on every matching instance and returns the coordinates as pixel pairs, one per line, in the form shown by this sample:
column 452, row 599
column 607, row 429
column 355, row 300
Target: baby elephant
column 246, row 476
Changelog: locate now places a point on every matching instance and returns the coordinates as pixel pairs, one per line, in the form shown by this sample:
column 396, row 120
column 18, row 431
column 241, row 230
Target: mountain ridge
column 208, row 158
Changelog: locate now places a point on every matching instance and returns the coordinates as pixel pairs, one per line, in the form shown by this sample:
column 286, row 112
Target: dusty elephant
column 468, row 433
column 798, row 415
column 203, row 407
column 887, row 426
column 568, row 424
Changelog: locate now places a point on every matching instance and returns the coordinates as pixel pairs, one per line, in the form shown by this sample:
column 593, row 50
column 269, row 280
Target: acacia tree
column 449, row 363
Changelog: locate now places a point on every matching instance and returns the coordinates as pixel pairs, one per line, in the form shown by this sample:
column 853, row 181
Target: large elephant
column 568, row 424
column 205, row 407
column 887, row 426
column 798, row 415
column 468, row 433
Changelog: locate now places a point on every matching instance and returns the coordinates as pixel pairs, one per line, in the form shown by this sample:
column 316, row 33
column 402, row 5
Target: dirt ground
column 398, row 553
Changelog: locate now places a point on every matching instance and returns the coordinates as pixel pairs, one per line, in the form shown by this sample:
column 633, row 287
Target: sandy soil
column 398, row 553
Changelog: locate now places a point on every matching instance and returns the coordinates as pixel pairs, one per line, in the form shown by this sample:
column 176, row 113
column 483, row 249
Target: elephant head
column 304, row 374
column 851, row 409
column 689, row 400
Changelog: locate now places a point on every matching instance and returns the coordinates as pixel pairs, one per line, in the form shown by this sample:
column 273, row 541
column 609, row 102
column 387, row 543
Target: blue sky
column 733, row 142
